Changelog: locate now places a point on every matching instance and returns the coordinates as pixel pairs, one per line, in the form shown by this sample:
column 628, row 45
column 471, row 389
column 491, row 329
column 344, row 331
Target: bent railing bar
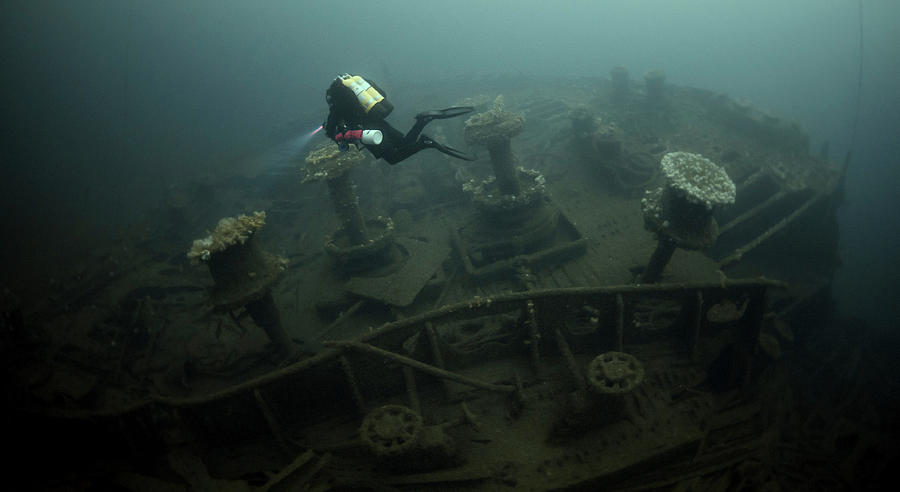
column 781, row 224
column 426, row 368
column 749, row 214
column 566, row 352
column 437, row 355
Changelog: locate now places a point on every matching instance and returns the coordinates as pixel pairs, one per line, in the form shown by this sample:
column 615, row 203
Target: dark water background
column 106, row 104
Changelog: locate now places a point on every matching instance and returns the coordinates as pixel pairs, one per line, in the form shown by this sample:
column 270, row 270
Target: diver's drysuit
column 359, row 104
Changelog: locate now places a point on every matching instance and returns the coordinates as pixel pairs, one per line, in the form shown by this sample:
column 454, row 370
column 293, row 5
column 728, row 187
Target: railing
column 351, row 373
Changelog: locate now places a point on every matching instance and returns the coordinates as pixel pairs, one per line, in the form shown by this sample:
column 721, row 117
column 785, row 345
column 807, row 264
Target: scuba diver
column 357, row 109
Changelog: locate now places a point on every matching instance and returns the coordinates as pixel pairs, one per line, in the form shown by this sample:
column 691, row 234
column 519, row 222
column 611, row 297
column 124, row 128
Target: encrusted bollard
column 244, row 274
column 681, row 212
column 494, row 129
column 359, row 244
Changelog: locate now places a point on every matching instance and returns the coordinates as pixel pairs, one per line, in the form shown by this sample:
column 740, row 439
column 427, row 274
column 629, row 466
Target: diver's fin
column 430, row 143
column 440, row 114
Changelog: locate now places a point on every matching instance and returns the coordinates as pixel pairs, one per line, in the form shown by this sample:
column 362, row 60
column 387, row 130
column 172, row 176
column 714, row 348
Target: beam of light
column 298, row 143
column 288, row 153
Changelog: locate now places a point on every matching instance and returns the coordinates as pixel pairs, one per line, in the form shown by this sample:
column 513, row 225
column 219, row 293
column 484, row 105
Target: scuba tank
column 370, row 98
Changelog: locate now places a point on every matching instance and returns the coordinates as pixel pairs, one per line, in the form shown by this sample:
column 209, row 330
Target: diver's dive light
column 372, row 137
column 368, row 137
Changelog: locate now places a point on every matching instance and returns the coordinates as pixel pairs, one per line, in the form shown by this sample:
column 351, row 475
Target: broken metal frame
column 536, row 307
column 775, row 198
column 739, row 252
column 559, row 253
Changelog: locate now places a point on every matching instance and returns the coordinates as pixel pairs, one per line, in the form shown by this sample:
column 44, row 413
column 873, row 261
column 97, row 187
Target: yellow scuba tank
column 367, row 95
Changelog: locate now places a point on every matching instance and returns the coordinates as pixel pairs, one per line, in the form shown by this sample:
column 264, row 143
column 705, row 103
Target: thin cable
column 859, row 81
